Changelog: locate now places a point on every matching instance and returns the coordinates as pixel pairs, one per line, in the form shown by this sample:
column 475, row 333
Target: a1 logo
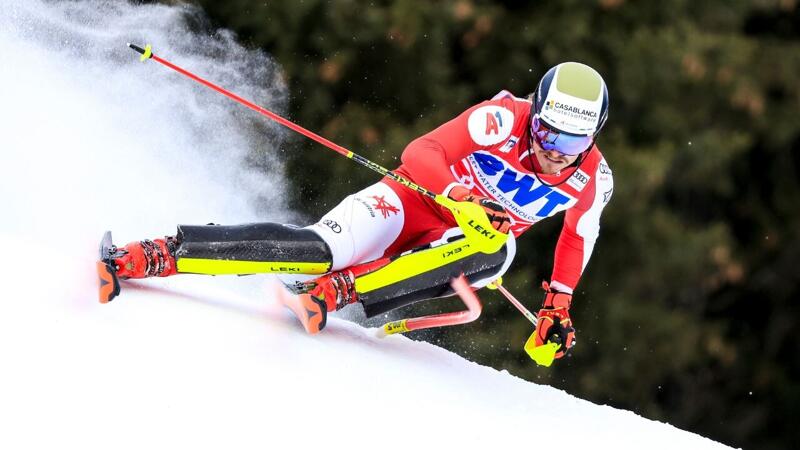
column 490, row 125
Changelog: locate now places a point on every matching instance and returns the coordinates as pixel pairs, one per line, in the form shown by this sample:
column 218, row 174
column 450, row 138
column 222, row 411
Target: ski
column 310, row 311
column 106, row 270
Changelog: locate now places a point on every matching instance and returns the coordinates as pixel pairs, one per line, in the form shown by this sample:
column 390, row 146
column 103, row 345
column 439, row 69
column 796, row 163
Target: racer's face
column 552, row 161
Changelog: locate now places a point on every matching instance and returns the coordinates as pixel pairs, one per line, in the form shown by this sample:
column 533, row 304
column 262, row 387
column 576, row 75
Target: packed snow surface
column 92, row 139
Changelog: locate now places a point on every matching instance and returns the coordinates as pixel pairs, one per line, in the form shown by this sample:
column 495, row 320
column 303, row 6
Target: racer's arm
column 428, row 158
column 579, row 233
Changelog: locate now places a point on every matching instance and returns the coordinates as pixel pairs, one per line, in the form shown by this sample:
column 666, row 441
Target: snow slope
column 91, row 139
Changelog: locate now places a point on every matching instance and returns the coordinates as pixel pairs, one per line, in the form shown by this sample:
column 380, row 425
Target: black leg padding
column 432, row 284
column 252, row 242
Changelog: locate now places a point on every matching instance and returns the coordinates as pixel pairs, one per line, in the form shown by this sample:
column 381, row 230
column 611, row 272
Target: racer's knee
column 497, row 264
column 510, row 250
column 362, row 226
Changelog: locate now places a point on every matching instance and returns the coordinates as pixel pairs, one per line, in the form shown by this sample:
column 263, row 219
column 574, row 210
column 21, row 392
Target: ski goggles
column 564, row 143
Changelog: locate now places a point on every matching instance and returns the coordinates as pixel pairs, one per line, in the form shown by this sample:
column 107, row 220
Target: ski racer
column 386, row 246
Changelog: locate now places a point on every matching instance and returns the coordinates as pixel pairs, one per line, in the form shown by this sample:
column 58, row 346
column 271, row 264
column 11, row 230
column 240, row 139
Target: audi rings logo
column 333, row 225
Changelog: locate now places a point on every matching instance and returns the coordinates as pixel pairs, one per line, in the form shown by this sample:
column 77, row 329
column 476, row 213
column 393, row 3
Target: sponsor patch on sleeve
column 489, row 125
column 578, row 180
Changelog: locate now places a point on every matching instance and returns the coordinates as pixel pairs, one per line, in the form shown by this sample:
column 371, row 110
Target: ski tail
column 106, row 270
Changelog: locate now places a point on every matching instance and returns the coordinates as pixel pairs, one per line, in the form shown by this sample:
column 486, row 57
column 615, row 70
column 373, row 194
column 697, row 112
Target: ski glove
column 498, row 215
column 554, row 324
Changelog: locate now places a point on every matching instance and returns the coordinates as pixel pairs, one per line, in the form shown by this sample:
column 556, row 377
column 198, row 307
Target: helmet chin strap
column 577, row 163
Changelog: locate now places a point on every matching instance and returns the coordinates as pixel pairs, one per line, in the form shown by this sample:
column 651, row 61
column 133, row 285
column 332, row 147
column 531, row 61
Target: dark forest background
column 688, row 311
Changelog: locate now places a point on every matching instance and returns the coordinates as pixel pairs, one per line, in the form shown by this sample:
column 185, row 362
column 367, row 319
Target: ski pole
column 518, row 304
column 544, row 354
column 470, row 217
column 461, row 287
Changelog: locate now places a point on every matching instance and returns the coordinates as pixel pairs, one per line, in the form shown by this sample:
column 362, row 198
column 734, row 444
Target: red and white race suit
column 485, row 149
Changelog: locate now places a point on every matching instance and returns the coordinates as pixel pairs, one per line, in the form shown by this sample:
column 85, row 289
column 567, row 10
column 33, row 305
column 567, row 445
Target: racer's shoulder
column 520, row 107
column 493, row 121
column 509, row 110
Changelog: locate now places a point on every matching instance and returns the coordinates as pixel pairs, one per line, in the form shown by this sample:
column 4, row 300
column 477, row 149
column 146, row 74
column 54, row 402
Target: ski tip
column 310, row 311
column 109, row 283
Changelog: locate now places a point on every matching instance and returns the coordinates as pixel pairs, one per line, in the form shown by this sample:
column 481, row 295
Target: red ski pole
column 518, row 304
column 543, row 354
column 470, row 217
column 461, row 287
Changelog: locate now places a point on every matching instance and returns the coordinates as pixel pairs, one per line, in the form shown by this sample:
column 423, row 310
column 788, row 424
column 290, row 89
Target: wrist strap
column 555, row 299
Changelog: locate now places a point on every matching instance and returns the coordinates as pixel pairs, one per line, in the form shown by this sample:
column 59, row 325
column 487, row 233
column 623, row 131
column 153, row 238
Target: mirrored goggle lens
column 567, row 144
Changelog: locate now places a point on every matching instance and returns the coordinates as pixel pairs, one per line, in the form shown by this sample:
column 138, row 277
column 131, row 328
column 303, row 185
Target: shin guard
column 422, row 274
column 251, row 248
